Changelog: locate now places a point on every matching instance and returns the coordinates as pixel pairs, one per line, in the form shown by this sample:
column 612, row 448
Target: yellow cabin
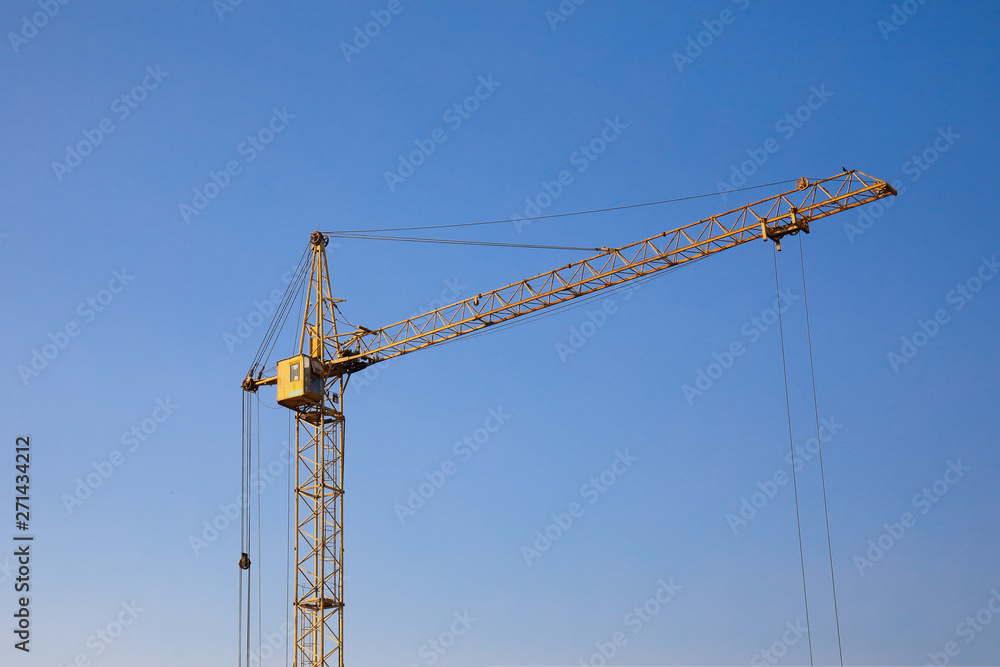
column 300, row 381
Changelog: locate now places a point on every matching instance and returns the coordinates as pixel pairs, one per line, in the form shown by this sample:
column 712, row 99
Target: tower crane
column 311, row 382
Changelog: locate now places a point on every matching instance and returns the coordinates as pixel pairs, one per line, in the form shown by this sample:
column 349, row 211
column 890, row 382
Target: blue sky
column 163, row 165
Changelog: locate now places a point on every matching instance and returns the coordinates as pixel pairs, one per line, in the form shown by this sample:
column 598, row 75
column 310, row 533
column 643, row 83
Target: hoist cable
column 561, row 215
column 287, row 309
column 258, row 358
column 260, row 588
column 822, row 472
column 293, row 460
column 281, row 312
column 791, row 446
column 247, row 516
column 420, row 239
column 243, row 455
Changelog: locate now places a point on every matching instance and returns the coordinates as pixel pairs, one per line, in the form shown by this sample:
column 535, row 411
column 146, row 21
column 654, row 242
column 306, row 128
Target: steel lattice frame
column 772, row 218
column 319, row 490
column 320, row 429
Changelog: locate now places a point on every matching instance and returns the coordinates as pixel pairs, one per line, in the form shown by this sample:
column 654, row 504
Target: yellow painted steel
column 768, row 219
column 300, row 381
column 319, row 435
column 319, row 474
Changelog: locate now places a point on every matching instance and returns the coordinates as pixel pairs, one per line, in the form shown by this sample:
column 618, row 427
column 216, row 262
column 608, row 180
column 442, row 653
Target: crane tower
column 311, row 382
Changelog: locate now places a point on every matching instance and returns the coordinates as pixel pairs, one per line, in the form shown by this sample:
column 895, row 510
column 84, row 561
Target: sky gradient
column 163, row 165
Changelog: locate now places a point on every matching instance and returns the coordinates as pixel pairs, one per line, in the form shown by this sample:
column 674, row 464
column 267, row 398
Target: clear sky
column 162, row 165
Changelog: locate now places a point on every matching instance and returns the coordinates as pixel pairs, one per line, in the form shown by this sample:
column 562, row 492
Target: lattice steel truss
column 319, row 489
column 319, row 439
column 771, row 218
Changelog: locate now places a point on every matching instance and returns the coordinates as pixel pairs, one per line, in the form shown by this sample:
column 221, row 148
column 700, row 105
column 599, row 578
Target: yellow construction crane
column 311, row 382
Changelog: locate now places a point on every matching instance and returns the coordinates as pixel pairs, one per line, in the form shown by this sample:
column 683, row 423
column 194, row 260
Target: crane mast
column 311, row 383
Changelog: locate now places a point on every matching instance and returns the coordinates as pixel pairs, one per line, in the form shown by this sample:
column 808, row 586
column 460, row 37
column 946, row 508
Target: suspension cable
column 278, row 319
column 293, row 460
column 791, row 446
column 260, row 587
column 822, row 472
column 563, row 215
column 287, row 303
column 243, row 460
column 421, row 239
column 247, row 501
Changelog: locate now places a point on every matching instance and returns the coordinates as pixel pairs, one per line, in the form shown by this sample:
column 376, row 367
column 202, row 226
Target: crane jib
column 770, row 219
column 311, row 382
